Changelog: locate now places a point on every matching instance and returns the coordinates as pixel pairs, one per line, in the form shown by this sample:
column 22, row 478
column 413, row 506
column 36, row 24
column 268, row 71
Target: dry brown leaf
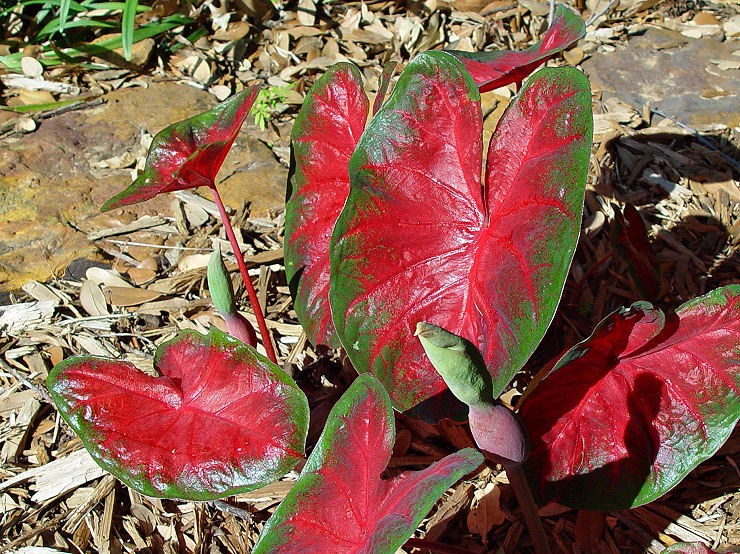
column 93, row 299
column 129, row 296
column 485, row 511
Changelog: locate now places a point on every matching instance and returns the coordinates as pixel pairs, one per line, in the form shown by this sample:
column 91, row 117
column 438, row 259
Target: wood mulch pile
column 54, row 498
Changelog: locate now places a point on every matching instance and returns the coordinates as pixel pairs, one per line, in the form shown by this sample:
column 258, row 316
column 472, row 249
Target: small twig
column 155, row 246
column 551, row 15
column 597, row 15
column 82, row 104
column 233, row 510
column 43, row 393
column 32, row 533
column 146, row 222
column 698, row 137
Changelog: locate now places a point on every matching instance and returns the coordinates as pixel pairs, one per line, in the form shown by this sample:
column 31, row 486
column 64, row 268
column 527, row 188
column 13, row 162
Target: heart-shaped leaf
column 420, row 239
column 324, row 136
column 341, row 504
column 492, row 70
column 189, row 153
column 220, row 420
column 626, row 414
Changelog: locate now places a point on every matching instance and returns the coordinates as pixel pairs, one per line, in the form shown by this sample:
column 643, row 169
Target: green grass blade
column 74, row 6
column 127, row 27
column 63, row 14
column 55, row 26
column 33, row 108
column 53, row 56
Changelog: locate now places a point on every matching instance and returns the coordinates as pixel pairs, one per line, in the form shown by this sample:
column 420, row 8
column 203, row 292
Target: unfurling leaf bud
column 222, row 294
column 459, row 363
column 499, row 433
column 219, row 283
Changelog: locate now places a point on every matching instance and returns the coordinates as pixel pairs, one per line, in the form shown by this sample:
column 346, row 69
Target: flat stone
column 251, row 173
column 51, row 187
column 676, row 74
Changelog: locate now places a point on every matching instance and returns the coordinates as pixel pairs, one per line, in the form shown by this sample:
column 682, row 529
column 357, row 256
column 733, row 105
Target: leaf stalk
column 518, row 482
column 266, row 340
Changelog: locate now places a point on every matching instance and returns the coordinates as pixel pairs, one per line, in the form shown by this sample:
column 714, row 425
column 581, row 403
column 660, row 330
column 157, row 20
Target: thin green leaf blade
column 128, row 20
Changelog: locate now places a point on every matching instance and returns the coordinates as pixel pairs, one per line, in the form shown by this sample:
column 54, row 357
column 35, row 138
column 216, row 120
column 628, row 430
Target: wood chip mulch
column 684, row 185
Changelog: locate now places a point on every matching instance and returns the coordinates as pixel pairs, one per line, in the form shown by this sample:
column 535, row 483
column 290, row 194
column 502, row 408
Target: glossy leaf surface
column 341, row 504
column 220, row 420
column 324, row 136
column 189, row 153
column 492, row 70
column 626, row 414
column 420, row 238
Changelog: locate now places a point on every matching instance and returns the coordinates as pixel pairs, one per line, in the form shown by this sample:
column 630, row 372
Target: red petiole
column 261, row 323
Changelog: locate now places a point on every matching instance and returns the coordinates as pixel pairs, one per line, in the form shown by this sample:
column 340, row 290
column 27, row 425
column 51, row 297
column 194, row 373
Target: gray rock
column 676, row 74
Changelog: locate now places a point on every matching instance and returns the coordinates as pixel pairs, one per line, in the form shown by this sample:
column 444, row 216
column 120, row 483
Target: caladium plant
column 389, row 224
column 622, row 417
column 189, row 154
column 197, row 431
column 341, row 503
column 488, row 226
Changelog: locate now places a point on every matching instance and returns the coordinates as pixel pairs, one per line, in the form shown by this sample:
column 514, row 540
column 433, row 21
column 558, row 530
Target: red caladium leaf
column 340, row 503
column 631, row 243
column 188, row 154
column 626, row 414
column 324, row 136
column 421, row 239
column 688, row 548
column 220, row 420
column 492, row 70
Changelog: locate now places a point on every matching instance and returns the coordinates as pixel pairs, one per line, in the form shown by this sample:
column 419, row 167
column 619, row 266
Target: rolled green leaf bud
column 219, row 283
column 222, row 294
column 499, row 433
column 459, row 363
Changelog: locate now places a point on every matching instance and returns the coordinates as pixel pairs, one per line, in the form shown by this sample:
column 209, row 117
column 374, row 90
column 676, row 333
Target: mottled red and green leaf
column 341, row 504
column 498, row 68
column 188, row 154
column 219, row 420
column 420, row 238
column 324, row 136
column 626, row 414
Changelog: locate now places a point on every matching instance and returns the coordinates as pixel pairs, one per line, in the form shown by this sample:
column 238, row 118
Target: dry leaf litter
column 151, row 284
